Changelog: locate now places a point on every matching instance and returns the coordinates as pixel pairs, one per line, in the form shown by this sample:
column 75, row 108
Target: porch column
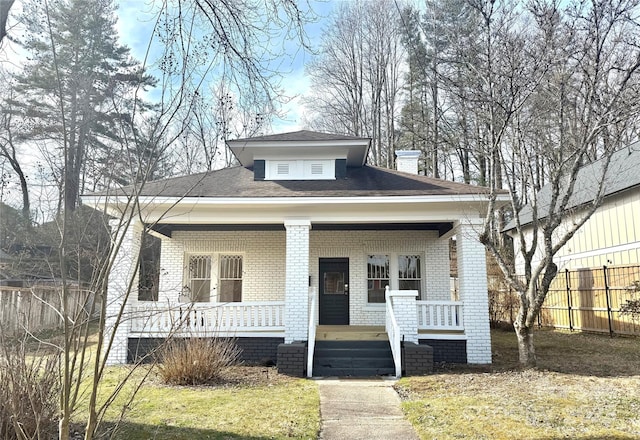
column 121, row 284
column 404, row 307
column 472, row 282
column 296, row 296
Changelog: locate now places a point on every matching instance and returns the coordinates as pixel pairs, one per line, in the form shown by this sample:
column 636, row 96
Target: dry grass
column 586, row 387
column 246, row 403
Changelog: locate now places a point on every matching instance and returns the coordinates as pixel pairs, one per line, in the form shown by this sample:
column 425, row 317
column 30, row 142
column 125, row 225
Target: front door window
column 334, row 283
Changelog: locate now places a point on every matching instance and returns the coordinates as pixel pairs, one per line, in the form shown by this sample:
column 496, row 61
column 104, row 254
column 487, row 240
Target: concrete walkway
column 367, row 409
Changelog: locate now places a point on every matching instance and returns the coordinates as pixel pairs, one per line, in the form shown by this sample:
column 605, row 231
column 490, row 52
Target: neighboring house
column 298, row 244
column 611, row 236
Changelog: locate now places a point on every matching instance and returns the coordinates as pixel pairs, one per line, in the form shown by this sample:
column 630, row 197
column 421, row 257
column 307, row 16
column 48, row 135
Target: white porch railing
column 311, row 344
column 440, row 315
column 202, row 319
column 393, row 331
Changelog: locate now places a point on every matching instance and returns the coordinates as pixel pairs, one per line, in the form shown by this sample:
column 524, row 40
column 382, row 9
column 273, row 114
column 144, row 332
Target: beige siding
column 611, row 237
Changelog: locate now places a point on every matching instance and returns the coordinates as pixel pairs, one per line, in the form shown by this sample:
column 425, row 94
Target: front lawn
column 252, row 403
column 586, row 387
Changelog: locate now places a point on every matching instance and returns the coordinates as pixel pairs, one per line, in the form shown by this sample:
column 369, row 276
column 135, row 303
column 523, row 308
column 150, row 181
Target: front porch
column 273, row 288
column 259, row 328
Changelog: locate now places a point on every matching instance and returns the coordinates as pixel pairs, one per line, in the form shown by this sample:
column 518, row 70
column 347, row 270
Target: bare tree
column 579, row 108
column 230, row 30
column 357, row 76
column 9, row 142
column 5, row 8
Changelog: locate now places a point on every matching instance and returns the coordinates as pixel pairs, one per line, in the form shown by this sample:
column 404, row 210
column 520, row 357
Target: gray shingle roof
column 622, row 174
column 360, row 182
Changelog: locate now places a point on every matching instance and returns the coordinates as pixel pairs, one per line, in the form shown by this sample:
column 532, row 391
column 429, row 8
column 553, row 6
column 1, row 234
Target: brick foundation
column 255, row 351
column 451, row 351
column 292, row 359
column 416, row 359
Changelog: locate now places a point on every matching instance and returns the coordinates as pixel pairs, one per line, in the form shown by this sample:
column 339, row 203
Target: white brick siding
column 356, row 245
column 404, row 308
column 120, row 278
column 264, row 262
column 264, row 275
column 472, row 282
column 438, row 278
column 296, row 307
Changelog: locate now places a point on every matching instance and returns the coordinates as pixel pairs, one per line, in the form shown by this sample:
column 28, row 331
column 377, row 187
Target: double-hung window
column 377, row 277
column 398, row 271
column 230, row 278
column 200, row 278
column 409, row 273
column 215, row 277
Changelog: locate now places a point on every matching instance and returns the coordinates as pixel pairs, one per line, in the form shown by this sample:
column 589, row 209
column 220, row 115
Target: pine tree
column 77, row 89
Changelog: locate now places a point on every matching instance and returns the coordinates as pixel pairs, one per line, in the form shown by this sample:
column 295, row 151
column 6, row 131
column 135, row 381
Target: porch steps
column 351, row 333
column 358, row 358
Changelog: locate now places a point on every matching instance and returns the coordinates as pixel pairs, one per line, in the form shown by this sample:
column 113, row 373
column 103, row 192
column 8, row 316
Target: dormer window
column 304, row 169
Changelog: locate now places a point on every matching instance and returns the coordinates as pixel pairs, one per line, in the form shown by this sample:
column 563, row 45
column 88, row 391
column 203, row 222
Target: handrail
column 393, row 330
column 311, row 343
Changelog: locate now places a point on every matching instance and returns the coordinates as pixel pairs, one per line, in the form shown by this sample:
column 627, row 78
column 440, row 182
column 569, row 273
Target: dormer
column 301, row 155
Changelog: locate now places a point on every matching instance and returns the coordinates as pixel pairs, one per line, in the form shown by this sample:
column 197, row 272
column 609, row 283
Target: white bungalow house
column 291, row 253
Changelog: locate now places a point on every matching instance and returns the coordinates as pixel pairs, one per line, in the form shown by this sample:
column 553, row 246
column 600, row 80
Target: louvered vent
column 317, row 169
column 283, row 169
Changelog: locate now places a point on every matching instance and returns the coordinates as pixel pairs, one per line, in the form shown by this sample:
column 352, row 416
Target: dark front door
column 334, row 291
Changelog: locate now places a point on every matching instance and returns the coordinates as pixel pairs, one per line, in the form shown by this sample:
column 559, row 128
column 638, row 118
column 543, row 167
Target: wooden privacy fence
column 583, row 299
column 33, row 309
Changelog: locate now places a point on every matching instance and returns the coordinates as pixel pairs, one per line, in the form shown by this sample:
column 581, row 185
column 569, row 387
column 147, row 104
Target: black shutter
column 341, row 168
column 258, row 169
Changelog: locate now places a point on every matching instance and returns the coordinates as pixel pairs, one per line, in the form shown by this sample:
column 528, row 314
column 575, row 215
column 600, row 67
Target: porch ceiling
column 168, row 229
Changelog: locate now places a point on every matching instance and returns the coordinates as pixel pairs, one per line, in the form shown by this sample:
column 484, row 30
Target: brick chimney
column 407, row 161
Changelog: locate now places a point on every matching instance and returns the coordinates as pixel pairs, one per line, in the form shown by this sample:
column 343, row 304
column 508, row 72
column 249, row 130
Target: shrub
column 503, row 305
column 197, row 361
column 632, row 308
column 29, row 388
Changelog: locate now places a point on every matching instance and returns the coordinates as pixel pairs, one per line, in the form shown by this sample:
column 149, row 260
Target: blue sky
column 135, row 26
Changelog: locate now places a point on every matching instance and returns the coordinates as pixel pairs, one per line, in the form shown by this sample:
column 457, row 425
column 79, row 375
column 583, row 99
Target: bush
column 632, row 308
column 29, row 388
column 197, row 361
column 503, row 306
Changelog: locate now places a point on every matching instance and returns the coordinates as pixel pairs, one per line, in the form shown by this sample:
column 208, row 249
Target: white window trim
column 215, row 274
column 394, row 281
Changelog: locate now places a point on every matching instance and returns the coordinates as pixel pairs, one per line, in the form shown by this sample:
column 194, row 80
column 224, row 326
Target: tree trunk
column 526, row 349
column 63, row 428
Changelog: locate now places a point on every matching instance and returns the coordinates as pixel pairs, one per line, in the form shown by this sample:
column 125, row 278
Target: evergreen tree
column 77, row 91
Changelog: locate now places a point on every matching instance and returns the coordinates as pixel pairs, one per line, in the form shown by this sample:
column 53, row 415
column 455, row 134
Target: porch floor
column 351, row 333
